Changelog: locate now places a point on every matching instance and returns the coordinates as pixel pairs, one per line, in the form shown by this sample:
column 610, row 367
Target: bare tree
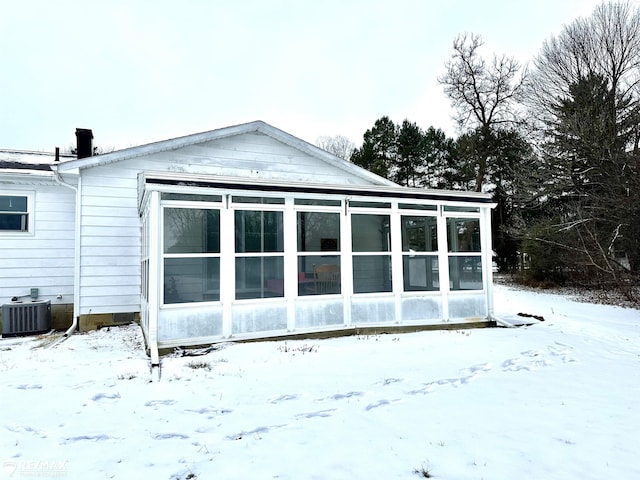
column 605, row 44
column 483, row 94
column 339, row 146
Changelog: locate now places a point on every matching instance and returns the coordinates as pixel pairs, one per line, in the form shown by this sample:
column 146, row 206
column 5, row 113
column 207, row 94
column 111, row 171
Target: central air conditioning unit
column 26, row 318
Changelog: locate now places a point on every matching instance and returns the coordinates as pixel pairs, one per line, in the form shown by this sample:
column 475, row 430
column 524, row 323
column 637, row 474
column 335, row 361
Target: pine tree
column 378, row 150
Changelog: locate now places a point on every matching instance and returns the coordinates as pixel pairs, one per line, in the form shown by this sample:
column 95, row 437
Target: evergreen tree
column 591, row 194
column 439, row 169
column 378, row 151
column 408, row 169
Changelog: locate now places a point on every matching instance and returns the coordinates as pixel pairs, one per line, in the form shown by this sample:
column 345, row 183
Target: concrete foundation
column 96, row 321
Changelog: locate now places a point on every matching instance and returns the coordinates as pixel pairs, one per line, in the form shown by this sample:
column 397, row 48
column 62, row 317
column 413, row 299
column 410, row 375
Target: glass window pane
column 363, row 204
column 273, row 233
column 318, row 232
column 191, row 280
column 15, row 204
column 419, row 234
column 465, row 273
column 259, row 232
column 191, row 198
column 372, row 273
column 259, row 277
column 14, row 223
column 319, row 275
column 370, row 233
column 463, row 234
column 416, row 206
column 260, row 200
column 420, row 272
column 450, row 208
column 191, row 230
column 317, row 202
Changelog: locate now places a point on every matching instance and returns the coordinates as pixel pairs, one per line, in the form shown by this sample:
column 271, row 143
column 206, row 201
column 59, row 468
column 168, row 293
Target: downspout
column 76, row 253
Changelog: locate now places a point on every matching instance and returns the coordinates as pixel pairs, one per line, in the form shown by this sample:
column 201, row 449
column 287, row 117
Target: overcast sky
column 139, row 71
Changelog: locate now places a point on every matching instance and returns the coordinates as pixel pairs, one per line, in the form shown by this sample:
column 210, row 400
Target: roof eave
column 182, row 180
column 255, row 126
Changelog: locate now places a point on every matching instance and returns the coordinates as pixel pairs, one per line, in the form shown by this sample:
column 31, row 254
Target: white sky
column 136, row 71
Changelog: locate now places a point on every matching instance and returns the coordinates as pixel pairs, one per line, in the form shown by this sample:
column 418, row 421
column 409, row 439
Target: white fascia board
column 184, row 181
column 67, row 171
column 30, row 177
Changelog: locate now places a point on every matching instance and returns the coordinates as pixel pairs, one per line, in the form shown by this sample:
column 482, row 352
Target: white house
column 239, row 233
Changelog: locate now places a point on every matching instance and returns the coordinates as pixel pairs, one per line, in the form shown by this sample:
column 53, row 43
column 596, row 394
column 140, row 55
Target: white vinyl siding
column 109, row 242
column 44, row 257
column 255, row 155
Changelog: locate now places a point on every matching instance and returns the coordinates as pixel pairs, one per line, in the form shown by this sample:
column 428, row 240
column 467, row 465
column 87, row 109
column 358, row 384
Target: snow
column 559, row 399
column 32, row 158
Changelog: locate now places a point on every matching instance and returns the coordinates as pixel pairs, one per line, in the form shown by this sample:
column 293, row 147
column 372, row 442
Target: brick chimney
column 84, row 142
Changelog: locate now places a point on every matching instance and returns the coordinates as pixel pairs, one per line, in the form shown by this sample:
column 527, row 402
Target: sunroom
column 227, row 258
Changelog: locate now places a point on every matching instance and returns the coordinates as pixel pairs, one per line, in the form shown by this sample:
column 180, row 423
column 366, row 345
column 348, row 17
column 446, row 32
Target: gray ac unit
column 26, row 318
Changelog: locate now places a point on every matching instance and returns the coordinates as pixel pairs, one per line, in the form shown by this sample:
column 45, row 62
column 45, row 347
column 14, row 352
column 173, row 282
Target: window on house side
column 465, row 259
column 191, row 255
column 371, row 244
column 14, row 213
column 420, row 258
column 318, row 253
column 259, row 245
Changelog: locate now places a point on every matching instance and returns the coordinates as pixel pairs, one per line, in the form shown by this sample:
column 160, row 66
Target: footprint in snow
column 255, row 431
column 105, row 396
column 428, row 388
column 208, row 410
column 482, row 367
column 562, row 350
column 319, row 413
column 341, row 396
column 90, row 438
column 22, row 428
column 29, row 387
column 377, row 404
column 528, row 361
column 472, row 372
column 389, row 381
column 155, row 403
column 283, row 398
column 169, row 436
column 531, row 353
column 514, row 365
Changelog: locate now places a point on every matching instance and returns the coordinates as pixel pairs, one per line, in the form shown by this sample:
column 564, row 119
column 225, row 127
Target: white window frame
column 187, row 205
column 257, row 206
column 388, row 211
column 427, row 254
column 30, row 196
column 462, row 215
column 331, row 209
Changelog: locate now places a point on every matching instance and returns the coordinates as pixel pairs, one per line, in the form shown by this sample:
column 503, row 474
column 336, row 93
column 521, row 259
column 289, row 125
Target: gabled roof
column 256, row 126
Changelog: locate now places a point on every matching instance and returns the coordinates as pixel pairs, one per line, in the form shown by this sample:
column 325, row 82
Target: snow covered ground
column 556, row 400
